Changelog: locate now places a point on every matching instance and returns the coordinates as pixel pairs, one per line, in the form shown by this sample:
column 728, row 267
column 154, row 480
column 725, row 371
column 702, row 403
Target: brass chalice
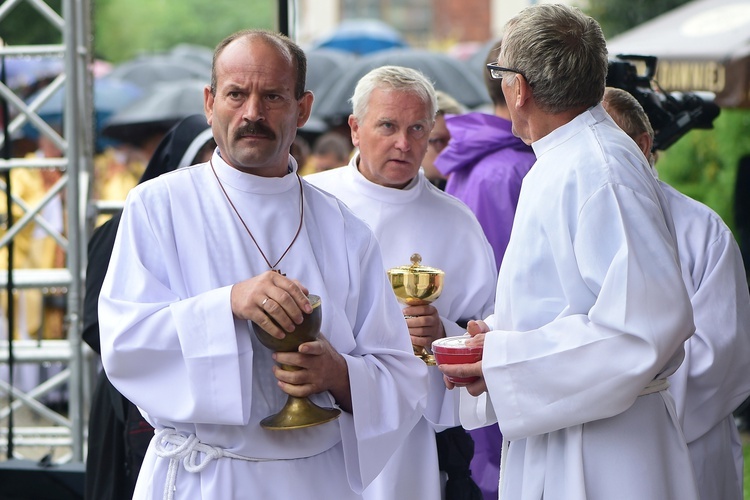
column 417, row 285
column 297, row 412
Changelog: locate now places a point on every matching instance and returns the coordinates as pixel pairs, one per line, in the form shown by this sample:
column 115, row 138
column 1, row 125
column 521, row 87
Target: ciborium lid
column 416, row 267
column 416, row 284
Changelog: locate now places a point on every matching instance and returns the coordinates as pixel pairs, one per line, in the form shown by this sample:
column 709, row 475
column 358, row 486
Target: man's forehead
column 256, row 51
column 244, row 69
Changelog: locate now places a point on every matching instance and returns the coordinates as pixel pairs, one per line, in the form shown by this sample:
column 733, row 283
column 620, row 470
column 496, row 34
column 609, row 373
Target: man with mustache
column 205, row 251
column 394, row 111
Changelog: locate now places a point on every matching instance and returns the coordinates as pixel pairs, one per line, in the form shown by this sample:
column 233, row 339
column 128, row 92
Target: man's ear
column 645, row 143
column 354, row 127
column 521, row 89
column 208, row 103
column 304, row 108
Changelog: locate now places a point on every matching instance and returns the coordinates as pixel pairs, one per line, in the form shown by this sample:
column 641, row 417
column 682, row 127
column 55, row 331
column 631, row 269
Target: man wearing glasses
column 591, row 311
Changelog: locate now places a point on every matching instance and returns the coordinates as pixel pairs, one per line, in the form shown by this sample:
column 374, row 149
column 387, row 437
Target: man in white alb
column 591, row 313
column 393, row 113
column 713, row 380
column 204, row 251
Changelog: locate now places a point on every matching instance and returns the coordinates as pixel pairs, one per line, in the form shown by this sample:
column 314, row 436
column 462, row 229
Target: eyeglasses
column 496, row 72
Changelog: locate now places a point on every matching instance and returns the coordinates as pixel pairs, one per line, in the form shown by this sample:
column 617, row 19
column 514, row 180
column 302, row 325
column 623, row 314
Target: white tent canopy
column 703, row 45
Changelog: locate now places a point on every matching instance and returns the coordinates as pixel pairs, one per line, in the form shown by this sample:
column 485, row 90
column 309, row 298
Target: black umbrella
column 195, row 53
column 150, row 70
column 324, row 67
column 161, row 108
column 446, row 73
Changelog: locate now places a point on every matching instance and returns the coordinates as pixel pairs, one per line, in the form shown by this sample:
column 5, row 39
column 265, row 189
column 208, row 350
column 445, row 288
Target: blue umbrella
column 363, row 36
column 24, row 71
column 110, row 95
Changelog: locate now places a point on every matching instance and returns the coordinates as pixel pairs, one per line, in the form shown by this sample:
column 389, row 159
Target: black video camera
column 672, row 114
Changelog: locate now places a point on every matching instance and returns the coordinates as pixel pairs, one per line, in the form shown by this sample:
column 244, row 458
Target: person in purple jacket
column 485, row 164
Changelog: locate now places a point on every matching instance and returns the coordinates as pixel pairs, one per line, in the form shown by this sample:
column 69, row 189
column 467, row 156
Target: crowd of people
column 612, row 312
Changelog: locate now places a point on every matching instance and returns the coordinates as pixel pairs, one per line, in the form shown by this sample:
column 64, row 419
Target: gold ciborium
column 417, row 285
column 297, row 412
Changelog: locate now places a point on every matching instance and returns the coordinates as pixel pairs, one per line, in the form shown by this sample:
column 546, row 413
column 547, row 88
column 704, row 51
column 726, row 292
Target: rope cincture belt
column 188, row 450
column 656, row 385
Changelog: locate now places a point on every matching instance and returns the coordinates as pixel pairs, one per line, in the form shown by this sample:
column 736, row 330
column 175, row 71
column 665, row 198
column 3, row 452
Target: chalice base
column 298, row 413
column 424, row 355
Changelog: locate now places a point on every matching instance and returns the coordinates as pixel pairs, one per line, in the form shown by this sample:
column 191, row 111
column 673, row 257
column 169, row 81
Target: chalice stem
column 298, row 412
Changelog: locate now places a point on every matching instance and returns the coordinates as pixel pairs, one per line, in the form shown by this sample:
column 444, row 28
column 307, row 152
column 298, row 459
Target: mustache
column 255, row 128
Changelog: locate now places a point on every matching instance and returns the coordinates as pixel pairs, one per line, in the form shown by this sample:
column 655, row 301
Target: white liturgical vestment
column 171, row 344
column 422, row 219
column 590, row 317
column 714, row 379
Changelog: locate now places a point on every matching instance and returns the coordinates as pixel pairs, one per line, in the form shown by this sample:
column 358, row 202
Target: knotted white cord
column 656, row 385
column 187, row 450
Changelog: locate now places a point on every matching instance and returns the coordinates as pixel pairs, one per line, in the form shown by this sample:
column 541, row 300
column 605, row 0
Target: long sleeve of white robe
column 171, row 344
column 422, row 219
column 713, row 380
column 590, row 309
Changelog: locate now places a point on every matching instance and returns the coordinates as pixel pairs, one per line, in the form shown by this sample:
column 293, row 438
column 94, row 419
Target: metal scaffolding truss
column 76, row 144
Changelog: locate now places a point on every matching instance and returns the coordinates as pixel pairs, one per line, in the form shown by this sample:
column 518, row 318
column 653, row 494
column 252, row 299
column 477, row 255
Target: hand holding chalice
column 416, row 285
column 297, row 412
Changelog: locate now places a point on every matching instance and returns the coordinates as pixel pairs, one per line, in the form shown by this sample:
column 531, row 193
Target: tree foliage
column 125, row 28
column 616, row 16
column 24, row 25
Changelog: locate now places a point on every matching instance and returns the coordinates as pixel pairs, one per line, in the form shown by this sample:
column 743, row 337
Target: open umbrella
column 21, row 71
column 110, row 96
column 446, row 73
column 325, row 66
column 703, row 45
column 191, row 52
column 157, row 111
column 362, row 36
column 146, row 71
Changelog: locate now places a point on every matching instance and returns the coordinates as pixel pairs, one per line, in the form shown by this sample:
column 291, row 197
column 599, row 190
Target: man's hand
column 477, row 330
column 475, row 327
column 424, row 325
column 319, row 368
column 272, row 301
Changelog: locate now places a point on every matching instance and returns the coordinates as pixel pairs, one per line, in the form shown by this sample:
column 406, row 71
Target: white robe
column 171, row 344
column 714, row 379
column 590, row 309
column 422, row 219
